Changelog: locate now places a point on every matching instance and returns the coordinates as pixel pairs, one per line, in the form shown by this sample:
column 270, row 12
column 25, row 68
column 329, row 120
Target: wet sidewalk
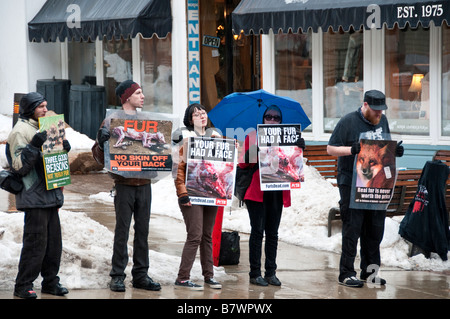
column 304, row 273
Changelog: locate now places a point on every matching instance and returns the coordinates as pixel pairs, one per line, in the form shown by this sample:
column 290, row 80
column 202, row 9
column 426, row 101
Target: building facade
column 202, row 59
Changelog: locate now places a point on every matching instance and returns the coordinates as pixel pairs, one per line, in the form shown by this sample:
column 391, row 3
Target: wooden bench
column 442, row 155
column 325, row 164
column 404, row 190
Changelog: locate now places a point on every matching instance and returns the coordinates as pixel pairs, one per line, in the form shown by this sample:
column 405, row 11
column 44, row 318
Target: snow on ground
column 87, row 245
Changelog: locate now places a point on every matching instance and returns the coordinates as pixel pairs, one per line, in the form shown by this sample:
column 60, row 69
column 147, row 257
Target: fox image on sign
column 373, row 165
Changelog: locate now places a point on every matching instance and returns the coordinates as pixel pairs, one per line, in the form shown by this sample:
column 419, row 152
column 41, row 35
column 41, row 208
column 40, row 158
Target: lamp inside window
column 416, row 87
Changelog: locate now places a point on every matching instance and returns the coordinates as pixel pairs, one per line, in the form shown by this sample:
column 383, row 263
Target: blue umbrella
column 245, row 110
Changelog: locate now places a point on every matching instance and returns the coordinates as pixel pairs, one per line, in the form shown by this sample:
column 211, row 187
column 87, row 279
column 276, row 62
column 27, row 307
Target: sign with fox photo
column 56, row 159
column 139, row 146
column 374, row 174
column 210, row 170
column 280, row 159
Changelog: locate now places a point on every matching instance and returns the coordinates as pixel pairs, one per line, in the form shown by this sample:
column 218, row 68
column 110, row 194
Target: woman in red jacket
column 264, row 209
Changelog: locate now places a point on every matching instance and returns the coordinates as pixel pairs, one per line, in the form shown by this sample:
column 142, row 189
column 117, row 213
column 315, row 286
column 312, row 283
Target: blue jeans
column 366, row 225
column 264, row 219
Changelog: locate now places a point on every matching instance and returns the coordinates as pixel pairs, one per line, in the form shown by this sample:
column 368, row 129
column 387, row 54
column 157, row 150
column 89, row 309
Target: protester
column 42, row 243
column 199, row 219
column 368, row 225
column 132, row 197
column 264, row 209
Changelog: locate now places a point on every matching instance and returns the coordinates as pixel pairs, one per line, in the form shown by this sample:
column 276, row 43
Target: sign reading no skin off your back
column 139, row 146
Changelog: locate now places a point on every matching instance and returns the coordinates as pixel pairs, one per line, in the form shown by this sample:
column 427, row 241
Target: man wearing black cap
column 132, row 197
column 42, row 244
column 365, row 224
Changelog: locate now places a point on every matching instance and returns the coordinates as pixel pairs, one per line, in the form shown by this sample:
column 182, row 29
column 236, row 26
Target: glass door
column 229, row 62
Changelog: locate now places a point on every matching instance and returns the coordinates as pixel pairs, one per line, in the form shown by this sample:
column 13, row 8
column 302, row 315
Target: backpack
column 229, row 248
column 243, row 179
column 10, row 182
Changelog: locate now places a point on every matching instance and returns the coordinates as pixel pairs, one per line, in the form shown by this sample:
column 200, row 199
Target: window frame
column 374, row 70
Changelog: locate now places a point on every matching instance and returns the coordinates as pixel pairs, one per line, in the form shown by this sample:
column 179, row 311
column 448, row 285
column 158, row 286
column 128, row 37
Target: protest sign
column 56, row 160
column 139, row 146
column 374, row 175
column 280, row 159
column 210, row 170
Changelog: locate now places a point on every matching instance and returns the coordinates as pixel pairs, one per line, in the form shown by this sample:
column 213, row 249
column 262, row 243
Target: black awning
column 259, row 16
column 58, row 19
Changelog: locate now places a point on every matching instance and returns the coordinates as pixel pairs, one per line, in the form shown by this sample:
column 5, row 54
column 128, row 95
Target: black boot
column 117, row 284
column 57, row 290
column 25, row 293
column 146, row 283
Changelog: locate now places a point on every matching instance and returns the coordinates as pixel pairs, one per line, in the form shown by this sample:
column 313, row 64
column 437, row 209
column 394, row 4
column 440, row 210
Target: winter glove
column 399, row 150
column 39, row 139
column 183, row 200
column 301, row 143
column 102, row 136
column 356, row 148
column 66, row 146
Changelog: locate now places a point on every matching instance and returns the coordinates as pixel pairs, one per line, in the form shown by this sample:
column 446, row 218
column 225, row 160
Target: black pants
column 42, row 248
column 131, row 200
column 366, row 225
column 264, row 218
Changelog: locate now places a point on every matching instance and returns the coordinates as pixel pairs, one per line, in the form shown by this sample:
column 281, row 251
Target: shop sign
column 210, row 41
column 193, row 51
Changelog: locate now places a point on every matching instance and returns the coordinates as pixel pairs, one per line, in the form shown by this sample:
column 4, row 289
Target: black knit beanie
column 125, row 89
column 29, row 103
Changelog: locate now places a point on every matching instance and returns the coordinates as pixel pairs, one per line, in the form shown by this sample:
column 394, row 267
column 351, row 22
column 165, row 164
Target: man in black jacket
column 132, row 198
column 42, row 243
column 366, row 225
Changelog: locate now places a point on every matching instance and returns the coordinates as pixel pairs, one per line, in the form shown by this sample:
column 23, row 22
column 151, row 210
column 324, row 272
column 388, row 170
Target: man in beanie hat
column 356, row 223
column 42, row 244
column 126, row 91
column 132, row 197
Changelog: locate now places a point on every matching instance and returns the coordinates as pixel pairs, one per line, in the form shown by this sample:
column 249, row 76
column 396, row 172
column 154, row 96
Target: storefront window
column 81, row 57
column 118, row 67
column 343, row 75
column 407, row 80
column 293, row 69
column 156, row 73
column 445, row 80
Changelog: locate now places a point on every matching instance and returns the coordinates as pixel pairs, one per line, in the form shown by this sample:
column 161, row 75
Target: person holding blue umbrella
column 264, row 208
column 242, row 111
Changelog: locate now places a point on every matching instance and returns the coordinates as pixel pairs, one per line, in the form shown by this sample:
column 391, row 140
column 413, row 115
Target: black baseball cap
column 376, row 100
